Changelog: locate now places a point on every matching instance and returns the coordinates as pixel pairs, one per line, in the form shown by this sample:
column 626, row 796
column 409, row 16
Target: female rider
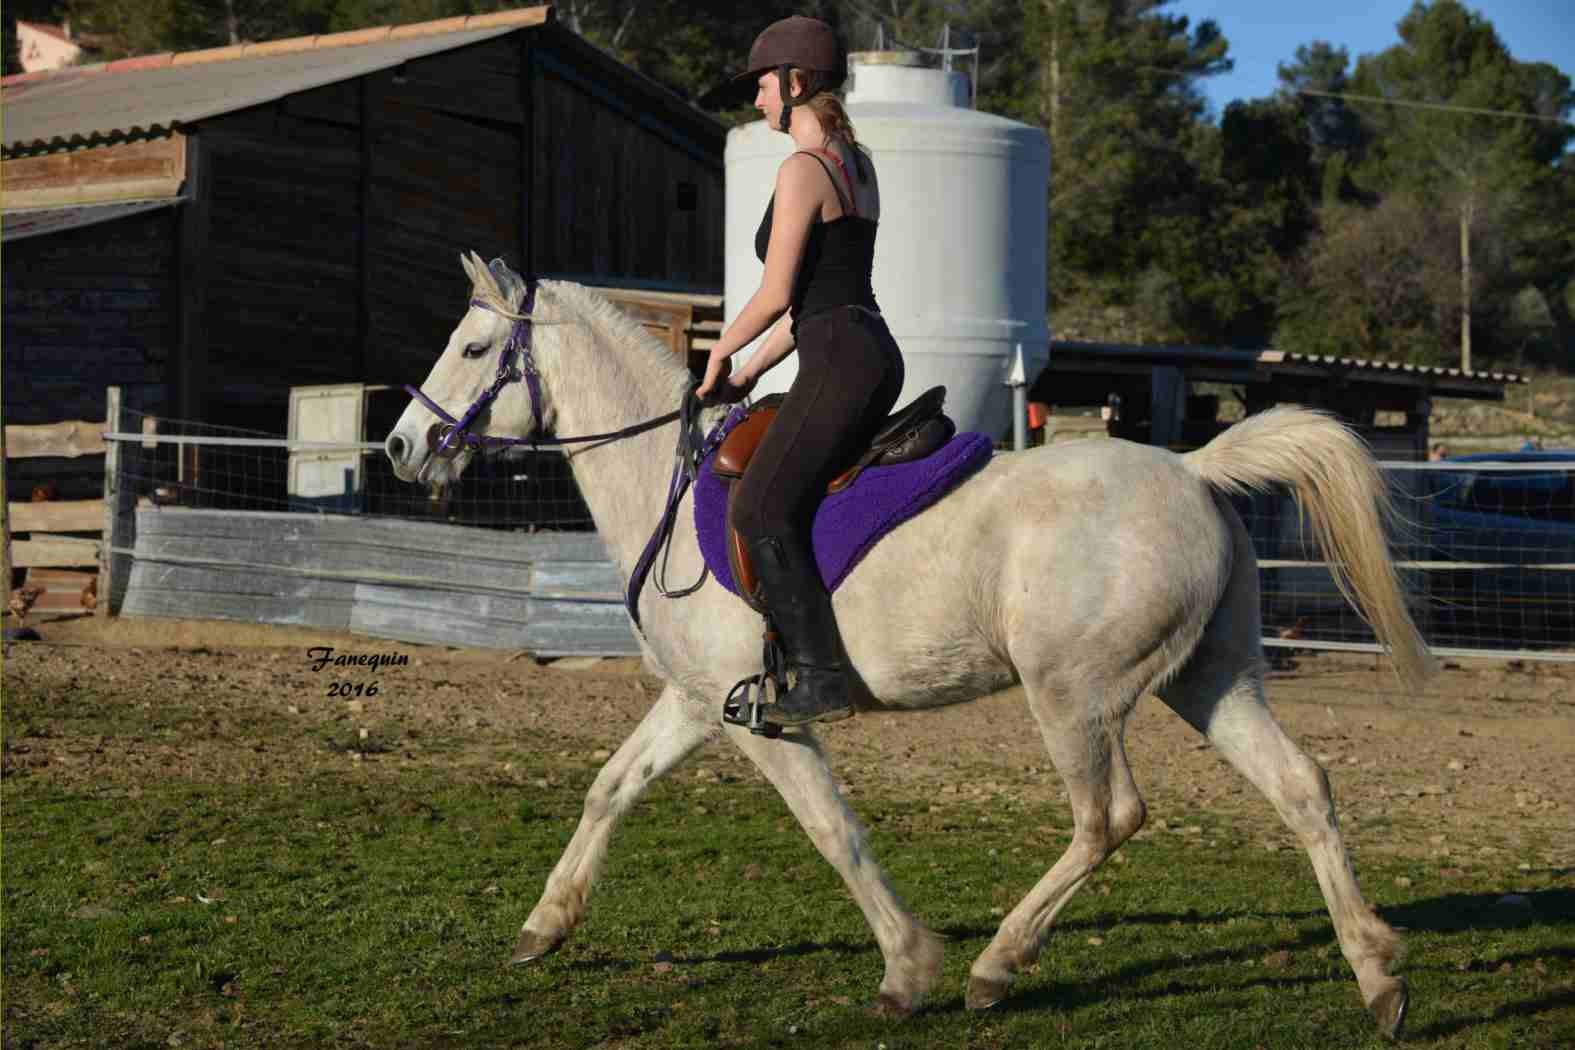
column 817, row 240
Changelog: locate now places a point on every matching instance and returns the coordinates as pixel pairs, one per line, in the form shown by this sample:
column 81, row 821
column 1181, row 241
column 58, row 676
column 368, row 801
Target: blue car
column 1514, row 534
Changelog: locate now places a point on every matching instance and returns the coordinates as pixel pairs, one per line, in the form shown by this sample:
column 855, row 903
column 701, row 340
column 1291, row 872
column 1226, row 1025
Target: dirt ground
column 1479, row 772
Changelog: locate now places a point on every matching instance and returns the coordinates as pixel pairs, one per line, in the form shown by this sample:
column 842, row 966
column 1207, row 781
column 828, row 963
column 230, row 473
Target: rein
column 448, row 438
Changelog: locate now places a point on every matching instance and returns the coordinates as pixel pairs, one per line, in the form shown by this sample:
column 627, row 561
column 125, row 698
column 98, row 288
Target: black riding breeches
column 850, row 374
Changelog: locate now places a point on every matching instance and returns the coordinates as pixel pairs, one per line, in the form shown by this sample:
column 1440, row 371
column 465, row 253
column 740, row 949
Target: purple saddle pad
column 849, row 522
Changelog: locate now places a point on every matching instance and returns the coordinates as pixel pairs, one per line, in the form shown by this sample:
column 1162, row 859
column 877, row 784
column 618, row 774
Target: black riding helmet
column 806, row 44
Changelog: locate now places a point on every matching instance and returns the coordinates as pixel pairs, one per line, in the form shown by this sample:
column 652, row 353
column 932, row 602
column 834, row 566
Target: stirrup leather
column 748, row 700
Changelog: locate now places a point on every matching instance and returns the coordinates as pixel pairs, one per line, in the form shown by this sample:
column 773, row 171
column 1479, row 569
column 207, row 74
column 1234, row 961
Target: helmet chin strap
column 785, row 85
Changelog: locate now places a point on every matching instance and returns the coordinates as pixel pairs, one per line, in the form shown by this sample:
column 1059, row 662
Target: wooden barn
column 208, row 229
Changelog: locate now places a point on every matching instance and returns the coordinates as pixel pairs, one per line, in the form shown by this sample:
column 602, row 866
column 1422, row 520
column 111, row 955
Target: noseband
column 446, row 439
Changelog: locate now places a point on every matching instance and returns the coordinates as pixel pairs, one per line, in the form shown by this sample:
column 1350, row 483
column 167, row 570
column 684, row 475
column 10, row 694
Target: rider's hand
column 734, row 388
column 716, row 369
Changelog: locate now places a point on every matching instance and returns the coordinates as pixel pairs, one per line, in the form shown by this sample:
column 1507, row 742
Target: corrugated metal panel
column 19, row 225
column 81, row 107
column 555, row 594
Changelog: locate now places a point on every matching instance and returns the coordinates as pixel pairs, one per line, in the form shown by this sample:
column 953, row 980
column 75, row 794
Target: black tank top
column 839, row 257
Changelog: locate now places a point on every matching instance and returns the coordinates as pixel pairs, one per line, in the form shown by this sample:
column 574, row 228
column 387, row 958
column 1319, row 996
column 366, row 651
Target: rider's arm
column 776, row 346
column 797, row 205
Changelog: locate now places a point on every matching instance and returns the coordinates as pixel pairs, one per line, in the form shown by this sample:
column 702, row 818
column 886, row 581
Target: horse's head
column 483, row 385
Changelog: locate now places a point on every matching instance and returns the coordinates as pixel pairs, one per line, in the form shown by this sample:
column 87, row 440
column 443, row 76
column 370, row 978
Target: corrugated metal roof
column 1184, row 355
column 154, row 93
column 1366, row 364
column 19, row 225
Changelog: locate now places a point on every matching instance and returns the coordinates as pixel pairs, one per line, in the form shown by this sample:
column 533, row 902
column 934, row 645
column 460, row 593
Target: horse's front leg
column 796, row 767
column 670, row 731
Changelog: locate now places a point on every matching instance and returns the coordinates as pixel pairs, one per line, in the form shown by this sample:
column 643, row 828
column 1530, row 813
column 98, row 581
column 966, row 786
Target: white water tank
column 960, row 271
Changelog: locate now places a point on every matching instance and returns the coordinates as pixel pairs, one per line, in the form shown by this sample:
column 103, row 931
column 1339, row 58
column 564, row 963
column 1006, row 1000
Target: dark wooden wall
column 616, row 193
column 320, row 240
column 279, row 306
column 84, row 309
column 337, row 216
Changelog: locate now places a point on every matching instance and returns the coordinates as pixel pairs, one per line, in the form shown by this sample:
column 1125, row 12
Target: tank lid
column 903, row 76
column 886, row 58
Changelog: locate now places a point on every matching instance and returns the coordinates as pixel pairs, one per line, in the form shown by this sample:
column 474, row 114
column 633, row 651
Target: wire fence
column 1486, row 551
column 209, row 466
column 1487, row 554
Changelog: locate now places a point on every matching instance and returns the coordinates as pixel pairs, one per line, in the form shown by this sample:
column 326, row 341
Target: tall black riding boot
column 801, row 611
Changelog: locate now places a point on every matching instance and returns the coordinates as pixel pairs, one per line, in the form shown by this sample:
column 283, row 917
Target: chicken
column 45, row 492
column 22, row 600
column 1295, row 630
column 90, row 594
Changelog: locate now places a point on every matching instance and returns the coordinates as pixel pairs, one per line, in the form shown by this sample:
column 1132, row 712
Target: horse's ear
column 509, row 281
column 465, row 260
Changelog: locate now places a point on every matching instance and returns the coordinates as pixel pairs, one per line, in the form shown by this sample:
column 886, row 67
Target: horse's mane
column 605, row 319
column 583, row 306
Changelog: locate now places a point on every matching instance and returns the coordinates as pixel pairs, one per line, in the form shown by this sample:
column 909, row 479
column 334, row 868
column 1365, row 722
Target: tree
column 1117, row 92
column 1335, row 132
column 1375, row 282
column 1485, row 169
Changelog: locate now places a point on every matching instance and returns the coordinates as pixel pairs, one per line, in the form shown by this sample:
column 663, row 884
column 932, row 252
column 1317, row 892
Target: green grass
column 242, row 883
column 379, row 911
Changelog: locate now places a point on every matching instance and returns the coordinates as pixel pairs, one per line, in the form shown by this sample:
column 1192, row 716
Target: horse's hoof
column 888, row 1005
column 532, row 946
column 1389, row 1009
column 984, row 993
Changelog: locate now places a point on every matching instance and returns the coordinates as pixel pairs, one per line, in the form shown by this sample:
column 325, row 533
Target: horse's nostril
column 396, row 448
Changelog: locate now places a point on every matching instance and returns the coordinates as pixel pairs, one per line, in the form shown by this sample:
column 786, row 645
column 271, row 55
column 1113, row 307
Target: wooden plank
column 192, row 268
column 151, row 169
column 63, row 589
column 54, row 552
column 5, row 522
column 69, row 440
column 78, row 515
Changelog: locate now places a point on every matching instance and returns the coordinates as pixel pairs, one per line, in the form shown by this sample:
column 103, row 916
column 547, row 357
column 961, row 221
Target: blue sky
column 1264, row 34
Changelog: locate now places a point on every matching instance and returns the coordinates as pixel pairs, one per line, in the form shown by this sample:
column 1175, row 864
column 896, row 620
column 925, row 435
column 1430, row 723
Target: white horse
column 1091, row 573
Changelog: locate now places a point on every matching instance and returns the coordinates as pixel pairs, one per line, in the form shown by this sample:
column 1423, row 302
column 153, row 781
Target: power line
column 1431, row 105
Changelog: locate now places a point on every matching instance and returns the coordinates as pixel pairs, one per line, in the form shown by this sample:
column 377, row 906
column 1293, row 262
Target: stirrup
column 747, row 701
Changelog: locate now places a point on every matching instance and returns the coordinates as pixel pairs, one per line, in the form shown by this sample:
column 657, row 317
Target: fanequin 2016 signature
column 323, row 656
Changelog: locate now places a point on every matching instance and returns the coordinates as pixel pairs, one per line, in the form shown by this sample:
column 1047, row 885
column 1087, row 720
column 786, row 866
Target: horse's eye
column 475, row 350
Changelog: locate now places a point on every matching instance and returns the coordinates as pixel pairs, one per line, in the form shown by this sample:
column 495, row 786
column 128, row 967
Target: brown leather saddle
column 914, row 431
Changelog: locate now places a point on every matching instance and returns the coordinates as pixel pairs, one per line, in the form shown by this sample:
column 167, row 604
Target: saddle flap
column 743, row 439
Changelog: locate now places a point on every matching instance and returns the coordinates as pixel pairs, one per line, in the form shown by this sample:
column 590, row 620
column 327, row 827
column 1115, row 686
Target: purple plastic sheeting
column 850, row 522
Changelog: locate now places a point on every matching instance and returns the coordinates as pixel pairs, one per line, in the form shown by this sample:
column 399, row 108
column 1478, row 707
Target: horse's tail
column 1338, row 484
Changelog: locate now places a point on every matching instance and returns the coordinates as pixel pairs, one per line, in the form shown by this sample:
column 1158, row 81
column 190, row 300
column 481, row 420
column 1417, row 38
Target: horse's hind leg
column 796, row 767
column 1088, row 752
column 670, row 731
column 1221, row 695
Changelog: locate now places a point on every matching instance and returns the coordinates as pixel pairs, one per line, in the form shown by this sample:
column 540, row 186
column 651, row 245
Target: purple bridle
column 447, row 438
